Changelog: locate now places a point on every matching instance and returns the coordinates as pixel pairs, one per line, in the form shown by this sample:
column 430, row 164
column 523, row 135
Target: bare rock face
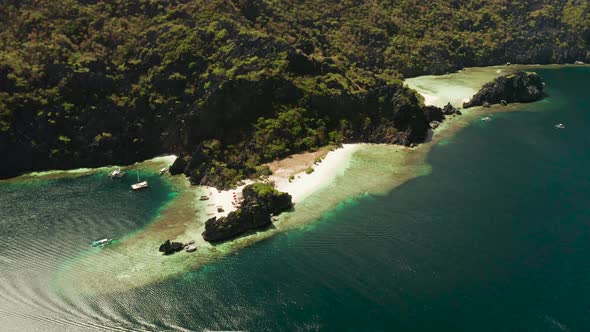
column 450, row 110
column 520, row 87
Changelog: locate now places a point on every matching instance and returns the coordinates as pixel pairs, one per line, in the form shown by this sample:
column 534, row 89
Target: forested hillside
column 229, row 85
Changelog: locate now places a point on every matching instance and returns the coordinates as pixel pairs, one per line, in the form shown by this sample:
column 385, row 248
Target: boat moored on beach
column 116, row 173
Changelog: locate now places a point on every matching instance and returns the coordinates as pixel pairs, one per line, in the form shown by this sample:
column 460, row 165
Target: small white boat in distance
column 139, row 185
column 101, row 243
column 560, row 126
column 116, row 173
column 486, row 119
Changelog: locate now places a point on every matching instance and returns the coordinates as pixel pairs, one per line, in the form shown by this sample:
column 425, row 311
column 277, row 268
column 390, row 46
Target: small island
column 261, row 201
column 521, row 87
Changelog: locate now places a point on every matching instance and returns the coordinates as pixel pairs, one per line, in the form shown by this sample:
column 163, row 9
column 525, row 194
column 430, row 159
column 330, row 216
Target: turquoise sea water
column 495, row 238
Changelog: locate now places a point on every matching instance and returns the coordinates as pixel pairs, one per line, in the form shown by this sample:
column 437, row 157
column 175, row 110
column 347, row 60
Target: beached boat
column 116, row 173
column 190, row 248
column 204, row 198
column 101, row 243
column 139, row 185
column 163, row 171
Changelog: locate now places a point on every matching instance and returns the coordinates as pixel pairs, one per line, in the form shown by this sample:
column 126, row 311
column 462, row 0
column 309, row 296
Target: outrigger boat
column 139, row 185
column 101, row 243
column 116, row 173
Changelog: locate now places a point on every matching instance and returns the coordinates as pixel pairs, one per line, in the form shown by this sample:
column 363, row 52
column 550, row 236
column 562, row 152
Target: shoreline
column 290, row 176
column 353, row 171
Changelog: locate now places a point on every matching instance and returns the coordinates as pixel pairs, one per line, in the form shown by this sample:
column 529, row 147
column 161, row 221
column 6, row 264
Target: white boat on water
column 163, row 171
column 101, row 243
column 486, row 119
column 116, row 173
column 140, row 184
column 560, row 126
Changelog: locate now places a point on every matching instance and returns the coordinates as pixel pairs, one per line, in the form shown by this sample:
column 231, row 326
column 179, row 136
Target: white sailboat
column 139, row 185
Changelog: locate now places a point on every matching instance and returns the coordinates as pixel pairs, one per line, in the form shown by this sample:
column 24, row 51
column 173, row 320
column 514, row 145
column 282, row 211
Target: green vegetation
column 88, row 83
column 309, row 170
column 263, row 189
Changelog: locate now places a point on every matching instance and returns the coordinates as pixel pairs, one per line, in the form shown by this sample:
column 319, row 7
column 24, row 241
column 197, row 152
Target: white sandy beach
column 301, row 186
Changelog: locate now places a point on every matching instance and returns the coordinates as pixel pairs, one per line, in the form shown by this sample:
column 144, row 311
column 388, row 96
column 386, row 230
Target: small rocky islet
column 261, row 202
column 521, row 87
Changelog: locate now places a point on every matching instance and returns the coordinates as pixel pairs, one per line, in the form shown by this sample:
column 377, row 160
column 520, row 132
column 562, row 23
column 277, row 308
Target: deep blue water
column 496, row 238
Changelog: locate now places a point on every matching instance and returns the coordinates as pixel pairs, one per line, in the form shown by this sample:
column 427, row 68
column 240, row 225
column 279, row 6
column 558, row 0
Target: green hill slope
column 232, row 84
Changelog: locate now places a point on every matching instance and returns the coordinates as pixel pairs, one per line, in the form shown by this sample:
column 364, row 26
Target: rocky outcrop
column 450, row 110
column 434, row 113
column 260, row 201
column 520, row 87
column 179, row 165
column 169, row 248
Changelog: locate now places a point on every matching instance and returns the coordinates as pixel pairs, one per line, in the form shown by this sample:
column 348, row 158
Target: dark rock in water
column 433, row 113
column 519, row 87
column 449, row 109
column 458, row 112
column 486, row 104
column 260, row 201
column 170, row 247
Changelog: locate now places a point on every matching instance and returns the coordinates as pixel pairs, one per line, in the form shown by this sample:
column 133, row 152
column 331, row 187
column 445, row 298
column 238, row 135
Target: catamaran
column 139, row 185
